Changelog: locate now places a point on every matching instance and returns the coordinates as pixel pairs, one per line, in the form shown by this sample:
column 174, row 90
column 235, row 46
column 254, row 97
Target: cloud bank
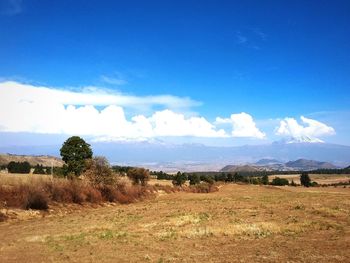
column 243, row 125
column 309, row 128
column 27, row 108
column 105, row 116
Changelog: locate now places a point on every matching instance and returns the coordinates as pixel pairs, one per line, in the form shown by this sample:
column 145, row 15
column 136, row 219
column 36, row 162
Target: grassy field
column 240, row 223
column 319, row 178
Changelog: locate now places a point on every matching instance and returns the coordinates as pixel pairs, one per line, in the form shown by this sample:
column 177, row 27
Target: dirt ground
column 240, row 223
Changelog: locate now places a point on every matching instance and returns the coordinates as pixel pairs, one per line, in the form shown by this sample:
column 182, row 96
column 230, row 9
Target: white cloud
column 243, row 125
column 118, row 80
column 309, row 128
column 26, row 108
column 11, row 90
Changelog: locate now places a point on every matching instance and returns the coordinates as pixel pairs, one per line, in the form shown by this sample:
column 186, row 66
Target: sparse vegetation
column 240, row 217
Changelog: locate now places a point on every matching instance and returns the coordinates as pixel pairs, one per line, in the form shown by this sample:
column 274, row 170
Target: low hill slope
column 44, row 160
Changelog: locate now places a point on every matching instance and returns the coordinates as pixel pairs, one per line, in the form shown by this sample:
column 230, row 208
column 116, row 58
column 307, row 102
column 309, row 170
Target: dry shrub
column 26, row 196
column 36, row 199
column 93, row 196
column 109, row 193
column 202, row 188
column 167, row 188
column 3, row 217
column 123, row 193
column 60, row 191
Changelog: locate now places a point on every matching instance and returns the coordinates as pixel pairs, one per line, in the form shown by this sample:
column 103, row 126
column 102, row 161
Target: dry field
column 240, row 223
column 319, row 178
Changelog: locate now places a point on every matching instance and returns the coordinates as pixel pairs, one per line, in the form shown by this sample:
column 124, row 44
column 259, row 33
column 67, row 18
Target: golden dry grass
column 319, row 178
column 240, row 223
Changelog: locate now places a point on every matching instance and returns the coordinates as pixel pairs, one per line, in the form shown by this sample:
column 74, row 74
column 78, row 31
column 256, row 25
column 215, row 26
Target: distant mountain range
column 158, row 155
column 275, row 165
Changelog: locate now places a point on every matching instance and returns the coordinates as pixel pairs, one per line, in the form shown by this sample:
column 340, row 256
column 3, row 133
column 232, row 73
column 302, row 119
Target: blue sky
column 268, row 59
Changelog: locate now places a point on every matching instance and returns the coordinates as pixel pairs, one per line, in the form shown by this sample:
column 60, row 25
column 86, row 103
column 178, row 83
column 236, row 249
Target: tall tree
column 305, row 179
column 74, row 152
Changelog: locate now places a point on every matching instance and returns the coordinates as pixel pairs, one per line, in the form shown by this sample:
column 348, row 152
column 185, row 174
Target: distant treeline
column 242, row 177
column 121, row 169
column 19, row 167
column 25, row 168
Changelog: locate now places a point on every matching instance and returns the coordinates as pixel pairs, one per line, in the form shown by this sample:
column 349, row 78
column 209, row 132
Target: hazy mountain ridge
column 298, row 165
column 193, row 157
column 44, row 160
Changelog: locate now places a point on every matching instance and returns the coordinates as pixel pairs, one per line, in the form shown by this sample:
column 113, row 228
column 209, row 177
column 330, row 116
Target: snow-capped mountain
column 302, row 139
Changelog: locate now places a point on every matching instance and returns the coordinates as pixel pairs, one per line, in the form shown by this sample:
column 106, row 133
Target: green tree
column 75, row 151
column 194, row 179
column 179, row 179
column 279, row 181
column 305, row 179
column 265, row 179
column 18, row 167
column 39, row 169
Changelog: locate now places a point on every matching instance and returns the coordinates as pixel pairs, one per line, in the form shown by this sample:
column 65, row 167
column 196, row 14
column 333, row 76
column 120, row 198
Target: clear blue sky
column 271, row 59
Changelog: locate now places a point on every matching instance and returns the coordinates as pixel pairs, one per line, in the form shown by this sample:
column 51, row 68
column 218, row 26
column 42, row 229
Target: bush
column 18, row 167
column 279, row 181
column 265, row 179
column 179, row 179
column 39, row 169
column 208, row 179
column 36, row 199
column 305, row 179
column 3, row 217
column 203, row 188
column 139, row 176
column 194, row 179
column 98, row 172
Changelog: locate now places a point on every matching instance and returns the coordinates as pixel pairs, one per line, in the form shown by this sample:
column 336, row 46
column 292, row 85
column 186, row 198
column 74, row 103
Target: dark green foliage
column 210, row 179
column 279, row 181
column 179, row 179
column 305, row 179
column 313, row 184
column 293, row 183
column 74, row 152
column 221, row 177
column 48, row 170
column 18, row 167
column 58, row 171
column 265, row 179
column 194, row 179
column 39, row 169
column 162, row 176
column 122, row 169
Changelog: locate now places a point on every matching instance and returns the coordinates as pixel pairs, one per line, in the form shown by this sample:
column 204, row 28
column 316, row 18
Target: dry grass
column 319, row 178
column 239, row 223
column 38, row 191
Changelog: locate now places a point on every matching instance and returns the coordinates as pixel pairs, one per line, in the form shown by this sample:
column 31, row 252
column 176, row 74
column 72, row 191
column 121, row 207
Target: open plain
column 239, row 223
